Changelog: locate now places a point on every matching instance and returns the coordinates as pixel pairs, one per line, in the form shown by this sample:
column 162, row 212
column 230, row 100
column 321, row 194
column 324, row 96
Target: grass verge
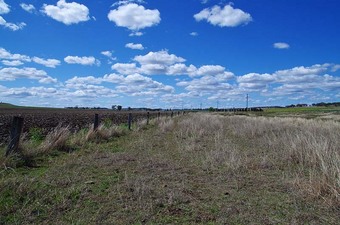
column 194, row 169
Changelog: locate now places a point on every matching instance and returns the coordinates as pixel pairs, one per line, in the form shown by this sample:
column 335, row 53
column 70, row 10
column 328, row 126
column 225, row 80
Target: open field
column 194, row 169
column 305, row 112
column 320, row 112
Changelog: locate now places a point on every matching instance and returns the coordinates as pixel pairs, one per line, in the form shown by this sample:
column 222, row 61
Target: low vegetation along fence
column 26, row 123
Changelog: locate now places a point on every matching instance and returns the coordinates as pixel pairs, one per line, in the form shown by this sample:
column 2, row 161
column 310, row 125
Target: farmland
column 198, row 168
column 47, row 119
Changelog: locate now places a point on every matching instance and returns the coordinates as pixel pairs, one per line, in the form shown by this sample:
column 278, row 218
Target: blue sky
column 169, row 53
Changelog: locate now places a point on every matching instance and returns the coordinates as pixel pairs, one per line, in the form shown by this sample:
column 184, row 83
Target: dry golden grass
column 205, row 137
column 309, row 147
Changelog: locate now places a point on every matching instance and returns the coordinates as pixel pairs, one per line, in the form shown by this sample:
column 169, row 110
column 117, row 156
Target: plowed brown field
column 76, row 119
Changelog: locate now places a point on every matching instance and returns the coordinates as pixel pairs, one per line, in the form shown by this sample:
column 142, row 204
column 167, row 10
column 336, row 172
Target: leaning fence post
column 129, row 121
column 147, row 118
column 16, row 129
column 96, row 121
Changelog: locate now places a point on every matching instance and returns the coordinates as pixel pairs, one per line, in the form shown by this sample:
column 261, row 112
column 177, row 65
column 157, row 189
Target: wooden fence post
column 172, row 114
column 147, row 118
column 129, row 121
column 96, row 121
column 159, row 115
column 16, row 130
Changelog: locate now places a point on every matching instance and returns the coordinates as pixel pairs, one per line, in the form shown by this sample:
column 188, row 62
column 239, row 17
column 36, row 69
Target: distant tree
column 119, row 107
column 211, row 109
column 114, row 107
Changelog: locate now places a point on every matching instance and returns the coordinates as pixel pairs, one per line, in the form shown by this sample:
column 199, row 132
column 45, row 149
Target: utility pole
column 247, row 102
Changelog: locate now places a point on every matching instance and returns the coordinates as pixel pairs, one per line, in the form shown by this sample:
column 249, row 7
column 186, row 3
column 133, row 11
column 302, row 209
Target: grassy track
column 193, row 169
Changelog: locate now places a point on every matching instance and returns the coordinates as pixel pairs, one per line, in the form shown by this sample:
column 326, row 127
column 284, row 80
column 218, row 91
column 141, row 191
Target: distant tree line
column 77, row 107
column 327, row 104
column 254, row 109
column 333, row 104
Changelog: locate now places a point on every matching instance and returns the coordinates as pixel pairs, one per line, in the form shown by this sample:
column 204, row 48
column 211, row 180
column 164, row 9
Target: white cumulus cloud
column 224, row 17
column 335, row 68
column 29, row 91
column 134, row 17
column 125, row 68
column 210, row 70
column 12, row 26
column 86, row 61
column 67, row 13
column 206, row 84
column 132, row 85
column 125, row 2
column 134, row 46
column 160, row 57
column 299, row 80
column 109, row 55
column 255, row 77
column 255, row 81
column 11, row 74
column 12, row 63
column 281, row 45
column 4, row 8
column 28, row 7
column 136, row 34
column 52, row 63
column 181, row 69
column 194, row 34
column 4, row 54
column 302, row 71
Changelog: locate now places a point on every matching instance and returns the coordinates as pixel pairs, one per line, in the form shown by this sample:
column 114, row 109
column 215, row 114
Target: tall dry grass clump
column 141, row 125
column 55, row 140
column 310, row 147
column 104, row 133
column 203, row 139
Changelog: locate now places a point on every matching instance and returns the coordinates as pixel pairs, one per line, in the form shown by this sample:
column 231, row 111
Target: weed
column 35, row 134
